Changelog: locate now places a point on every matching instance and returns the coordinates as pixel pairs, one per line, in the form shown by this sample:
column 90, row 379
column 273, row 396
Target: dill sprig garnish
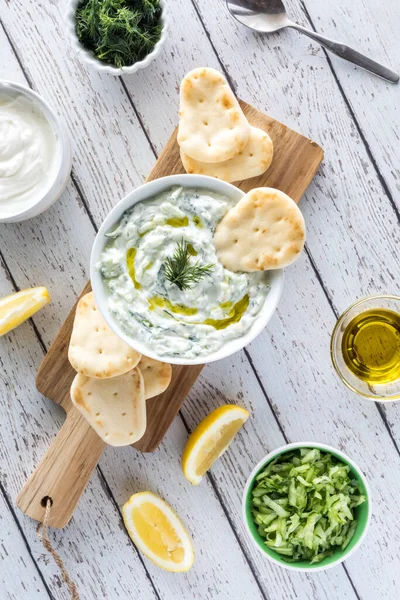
column 119, row 32
column 178, row 270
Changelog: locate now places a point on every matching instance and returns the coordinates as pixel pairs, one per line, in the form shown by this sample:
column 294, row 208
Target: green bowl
column 362, row 512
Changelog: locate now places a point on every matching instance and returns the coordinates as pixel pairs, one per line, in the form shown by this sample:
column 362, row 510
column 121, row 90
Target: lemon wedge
column 158, row 532
column 210, row 439
column 17, row 308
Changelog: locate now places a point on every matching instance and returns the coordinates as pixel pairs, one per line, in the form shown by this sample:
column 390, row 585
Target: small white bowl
column 64, row 159
column 88, row 56
column 329, row 562
column 147, row 191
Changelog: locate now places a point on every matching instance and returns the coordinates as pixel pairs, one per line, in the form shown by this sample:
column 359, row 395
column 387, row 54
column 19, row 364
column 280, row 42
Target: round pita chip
column 264, row 231
column 156, row 375
column 212, row 126
column 95, row 350
column 115, row 408
column 253, row 160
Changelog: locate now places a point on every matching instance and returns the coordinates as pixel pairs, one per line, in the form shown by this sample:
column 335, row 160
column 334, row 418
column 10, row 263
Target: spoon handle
column 349, row 54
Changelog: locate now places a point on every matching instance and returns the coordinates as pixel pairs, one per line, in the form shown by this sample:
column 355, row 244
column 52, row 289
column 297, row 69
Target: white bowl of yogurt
column 212, row 317
column 35, row 154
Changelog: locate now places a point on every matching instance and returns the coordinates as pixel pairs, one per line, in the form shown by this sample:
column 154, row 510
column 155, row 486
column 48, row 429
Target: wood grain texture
column 18, row 574
column 353, row 250
column 372, row 101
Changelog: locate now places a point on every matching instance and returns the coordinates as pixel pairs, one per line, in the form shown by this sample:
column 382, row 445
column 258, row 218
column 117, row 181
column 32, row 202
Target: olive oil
column 177, row 221
column 192, row 251
column 227, row 306
column 130, row 263
column 371, row 346
column 180, row 309
column 197, row 221
column 235, row 315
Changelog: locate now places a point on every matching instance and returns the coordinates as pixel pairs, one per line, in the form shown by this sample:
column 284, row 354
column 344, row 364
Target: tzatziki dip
column 192, row 317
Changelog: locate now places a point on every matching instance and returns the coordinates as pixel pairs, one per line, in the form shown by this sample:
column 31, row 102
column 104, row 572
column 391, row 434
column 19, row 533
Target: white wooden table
column 285, row 378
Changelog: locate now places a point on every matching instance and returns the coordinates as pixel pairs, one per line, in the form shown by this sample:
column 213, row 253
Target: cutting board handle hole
column 44, row 500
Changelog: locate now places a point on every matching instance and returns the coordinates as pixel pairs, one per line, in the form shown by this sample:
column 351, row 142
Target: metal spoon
column 268, row 16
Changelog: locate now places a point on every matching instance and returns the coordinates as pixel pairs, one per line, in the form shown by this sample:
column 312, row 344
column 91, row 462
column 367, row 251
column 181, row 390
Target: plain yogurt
column 29, row 153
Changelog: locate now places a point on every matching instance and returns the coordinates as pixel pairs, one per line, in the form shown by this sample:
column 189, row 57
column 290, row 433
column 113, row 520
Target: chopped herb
column 179, row 270
column 303, row 505
column 119, row 32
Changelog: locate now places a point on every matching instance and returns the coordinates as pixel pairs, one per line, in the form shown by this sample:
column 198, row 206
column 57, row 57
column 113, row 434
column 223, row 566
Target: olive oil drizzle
column 192, row 251
column 198, row 222
column 235, row 315
column 236, row 311
column 130, row 263
column 180, row 309
column 177, row 221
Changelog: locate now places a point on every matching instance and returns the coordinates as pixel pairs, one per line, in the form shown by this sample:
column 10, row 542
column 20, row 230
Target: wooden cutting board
column 66, row 467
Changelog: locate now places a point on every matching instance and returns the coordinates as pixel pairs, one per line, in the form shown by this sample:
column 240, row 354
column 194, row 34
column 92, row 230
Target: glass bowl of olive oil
column 365, row 347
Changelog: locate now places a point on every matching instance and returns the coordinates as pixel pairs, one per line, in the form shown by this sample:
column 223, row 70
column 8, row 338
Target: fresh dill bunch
column 178, row 270
column 119, row 32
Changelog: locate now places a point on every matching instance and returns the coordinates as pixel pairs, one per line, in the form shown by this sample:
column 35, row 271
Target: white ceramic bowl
column 89, row 58
column 340, row 556
column 147, row 191
column 64, row 157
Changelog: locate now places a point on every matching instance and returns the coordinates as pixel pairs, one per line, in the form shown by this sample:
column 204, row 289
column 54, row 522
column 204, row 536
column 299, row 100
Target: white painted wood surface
column 285, row 377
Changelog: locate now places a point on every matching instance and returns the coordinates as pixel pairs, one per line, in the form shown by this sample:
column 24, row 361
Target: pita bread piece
column 253, row 160
column 212, row 126
column 95, row 350
column 156, row 375
column 115, row 407
column 264, row 231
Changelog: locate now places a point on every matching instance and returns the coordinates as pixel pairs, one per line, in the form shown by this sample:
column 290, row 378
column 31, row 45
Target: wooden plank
column 19, row 576
column 373, row 101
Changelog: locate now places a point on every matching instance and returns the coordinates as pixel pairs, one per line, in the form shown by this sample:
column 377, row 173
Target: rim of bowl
column 335, row 332
column 342, row 554
column 144, row 192
column 89, row 58
column 64, row 161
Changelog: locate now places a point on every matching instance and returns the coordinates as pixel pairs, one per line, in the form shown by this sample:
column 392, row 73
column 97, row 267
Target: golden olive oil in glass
column 371, row 346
